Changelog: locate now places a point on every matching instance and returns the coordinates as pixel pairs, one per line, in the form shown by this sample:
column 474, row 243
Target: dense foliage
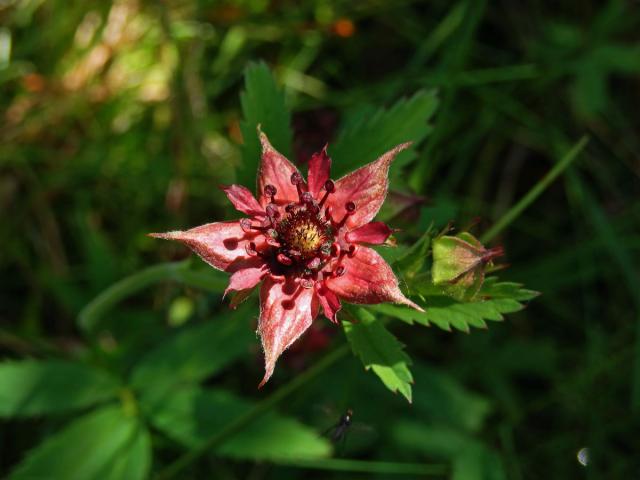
column 120, row 359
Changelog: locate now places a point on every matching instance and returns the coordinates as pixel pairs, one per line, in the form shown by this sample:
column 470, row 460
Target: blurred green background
column 122, row 118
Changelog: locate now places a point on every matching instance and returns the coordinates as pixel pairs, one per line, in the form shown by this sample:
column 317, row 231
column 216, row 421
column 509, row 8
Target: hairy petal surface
column 222, row 245
column 374, row 233
column 368, row 279
column 246, row 278
column 243, row 200
column 366, row 187
column 275, row 170
column 286, row 311
column 319, row 170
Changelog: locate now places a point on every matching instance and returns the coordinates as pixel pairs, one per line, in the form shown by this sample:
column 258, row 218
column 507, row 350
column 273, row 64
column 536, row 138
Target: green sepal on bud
column 459, row 264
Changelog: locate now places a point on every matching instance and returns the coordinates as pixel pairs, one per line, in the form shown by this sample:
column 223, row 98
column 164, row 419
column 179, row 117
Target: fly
column 338, row 432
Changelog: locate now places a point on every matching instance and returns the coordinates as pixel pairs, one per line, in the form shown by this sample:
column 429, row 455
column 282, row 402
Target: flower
column 305, row 241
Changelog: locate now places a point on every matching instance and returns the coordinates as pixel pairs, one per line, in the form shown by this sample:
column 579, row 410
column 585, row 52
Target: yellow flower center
column 303, row 233
column 306, row 238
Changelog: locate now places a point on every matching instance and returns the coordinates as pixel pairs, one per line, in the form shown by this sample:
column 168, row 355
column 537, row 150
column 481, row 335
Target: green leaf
column 134, row 462
column 369, row 136
column 479, row 463
column 55, row 386
column 262, row 104
column 494, row 300
column 441, row 399
column 197, row 351
column 102, row 444
column 192, row 415
column 431, row 439
column 380, row 351
column 471, row 459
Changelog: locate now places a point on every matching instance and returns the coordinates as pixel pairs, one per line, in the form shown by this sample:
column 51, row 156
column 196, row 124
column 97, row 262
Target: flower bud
column 459, row 264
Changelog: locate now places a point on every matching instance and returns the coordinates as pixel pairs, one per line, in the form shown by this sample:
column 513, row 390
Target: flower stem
column 515, row 211
column 365, row 466
column 242, row 421
column 90, row 316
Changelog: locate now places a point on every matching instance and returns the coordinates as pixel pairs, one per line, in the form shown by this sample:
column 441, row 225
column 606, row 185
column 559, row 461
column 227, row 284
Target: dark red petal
column 368, row 279
column 275, row 170
column 243, row 200
column 366, row 187
column 222, row 245
column 374, row 233
column 246, row 278
column 329, row 301
column 319, row 168
column 286, row 311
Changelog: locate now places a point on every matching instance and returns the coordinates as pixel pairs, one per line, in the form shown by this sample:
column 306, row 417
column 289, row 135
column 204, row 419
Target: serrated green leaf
column 45, row 387
column 263, row 104
column 495, row 289
column 101, row 444
column 494, row 300
column 192, row 415
column 380, row 351
column 197, row 351
column 368, row 136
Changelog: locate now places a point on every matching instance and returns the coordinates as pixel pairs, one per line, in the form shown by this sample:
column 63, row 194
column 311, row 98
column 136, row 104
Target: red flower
column 305, row 241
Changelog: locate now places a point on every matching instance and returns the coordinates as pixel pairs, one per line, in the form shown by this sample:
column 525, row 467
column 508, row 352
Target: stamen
column 350, row 208
column 314, row 263
column 339, row 271
column 245, row 225
column 306, row 283
column 297, row 180
column 335, row 250
column 270, row 191
column 352, row 250
column 251, row 249
column 283, row 259
column 329, row 188
column 307, row 198
column 272, row 241
column 272, row 213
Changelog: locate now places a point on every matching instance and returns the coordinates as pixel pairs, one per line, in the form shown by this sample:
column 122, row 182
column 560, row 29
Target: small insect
column 338, row 432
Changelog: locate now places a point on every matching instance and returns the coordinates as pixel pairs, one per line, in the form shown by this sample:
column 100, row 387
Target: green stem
column 89, row 317
column 242, row 421
column 363, row 466
column 515, row 211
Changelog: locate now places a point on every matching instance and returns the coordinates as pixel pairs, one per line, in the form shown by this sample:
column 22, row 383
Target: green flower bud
column 459, row 264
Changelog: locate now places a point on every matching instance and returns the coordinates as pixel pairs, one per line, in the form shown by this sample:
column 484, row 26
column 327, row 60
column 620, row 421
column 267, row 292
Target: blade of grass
column 515, row 211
